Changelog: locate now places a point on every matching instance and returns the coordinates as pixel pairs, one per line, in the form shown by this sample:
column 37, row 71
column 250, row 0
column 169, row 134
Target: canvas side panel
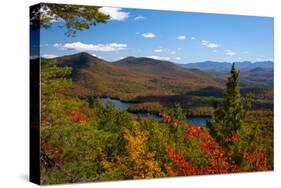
column 34, row 163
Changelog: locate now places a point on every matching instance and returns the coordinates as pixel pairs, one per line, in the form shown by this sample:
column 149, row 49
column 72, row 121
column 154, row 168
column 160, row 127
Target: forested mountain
column 130, row 77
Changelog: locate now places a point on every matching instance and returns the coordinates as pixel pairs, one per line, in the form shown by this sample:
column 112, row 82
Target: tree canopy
column 75, row 18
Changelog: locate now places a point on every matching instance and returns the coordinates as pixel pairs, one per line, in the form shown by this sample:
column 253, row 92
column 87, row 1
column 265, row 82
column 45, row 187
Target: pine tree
column 230, row 114
column 176, row 112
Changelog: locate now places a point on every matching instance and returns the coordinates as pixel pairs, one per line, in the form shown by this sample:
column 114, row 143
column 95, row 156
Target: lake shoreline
column 201, row 121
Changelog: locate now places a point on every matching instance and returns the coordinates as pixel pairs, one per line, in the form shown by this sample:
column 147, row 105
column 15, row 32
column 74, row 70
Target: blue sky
column 180, row 37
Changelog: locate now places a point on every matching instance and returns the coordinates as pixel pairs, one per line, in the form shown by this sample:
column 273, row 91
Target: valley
column 155, row 85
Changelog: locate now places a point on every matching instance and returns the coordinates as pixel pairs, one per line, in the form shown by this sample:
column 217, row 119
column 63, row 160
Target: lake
column 117, row 103
column 199, row 121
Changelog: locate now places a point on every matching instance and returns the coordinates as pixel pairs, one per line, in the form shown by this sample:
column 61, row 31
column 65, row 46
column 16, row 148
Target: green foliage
column 54, row 81
column 245, row 134
column 256, row 134
column 230, row 114
column 113, row 120
column 176, row 112
column 74, row 149
column 194, row 154
column 74, row 17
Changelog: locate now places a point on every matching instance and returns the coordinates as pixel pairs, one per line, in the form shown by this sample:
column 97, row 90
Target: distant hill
column 166, row 69
column 219, row 66
column 133, row 77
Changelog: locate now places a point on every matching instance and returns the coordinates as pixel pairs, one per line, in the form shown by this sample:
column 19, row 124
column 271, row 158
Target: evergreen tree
column 176, row 112
column 230, row 114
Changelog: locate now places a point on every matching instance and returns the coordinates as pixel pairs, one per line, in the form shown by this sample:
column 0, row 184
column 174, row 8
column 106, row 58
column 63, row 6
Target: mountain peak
column 82, row 59
column 83, row 55
column 131, row 60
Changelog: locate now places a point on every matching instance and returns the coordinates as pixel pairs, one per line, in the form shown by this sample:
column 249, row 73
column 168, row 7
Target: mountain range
column 222, row 66
column 134, row 77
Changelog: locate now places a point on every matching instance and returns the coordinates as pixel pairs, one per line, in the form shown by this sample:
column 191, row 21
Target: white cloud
column 49, row 56
column 148, row 35
column 230, row 53
column 213, row 45
column 115, row 13
column 158, row 50
column 177, row 58
column 204, row 42
column 137, row 33
column 139, row 18
column 79, row 46
column 209, row 44
column 181, row 37
column 192, row 38
column 179, row 49
column 214, row 51
column 159, row 58
column 173, row 52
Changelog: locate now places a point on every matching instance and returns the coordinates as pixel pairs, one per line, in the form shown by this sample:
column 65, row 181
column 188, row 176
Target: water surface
column 120, row 105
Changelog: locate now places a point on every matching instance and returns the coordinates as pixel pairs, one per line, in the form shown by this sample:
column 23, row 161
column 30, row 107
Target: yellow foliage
column 142, row 163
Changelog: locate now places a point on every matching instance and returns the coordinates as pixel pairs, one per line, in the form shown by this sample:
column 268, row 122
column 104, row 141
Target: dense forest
column 85, row 140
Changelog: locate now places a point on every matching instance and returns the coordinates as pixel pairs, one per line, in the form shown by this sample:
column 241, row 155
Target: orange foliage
column 143, row 163
column 168, row 119
column 258, row 160
column 78, row 117
column 44, row 120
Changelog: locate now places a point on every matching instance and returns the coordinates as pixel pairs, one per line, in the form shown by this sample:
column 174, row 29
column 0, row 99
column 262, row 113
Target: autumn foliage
column 143, row 163
column 89, row 141
column 218, row 162
column 78, row 116
column 258, row 160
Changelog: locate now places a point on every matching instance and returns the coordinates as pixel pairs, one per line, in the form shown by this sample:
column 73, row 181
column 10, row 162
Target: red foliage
column 233, row 138
column 179, row 164
column 166, row 118
column 78, row 117
column 218, row 161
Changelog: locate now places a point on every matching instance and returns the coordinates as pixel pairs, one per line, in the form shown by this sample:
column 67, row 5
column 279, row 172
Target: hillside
column 133, row 77
column 157, row 84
